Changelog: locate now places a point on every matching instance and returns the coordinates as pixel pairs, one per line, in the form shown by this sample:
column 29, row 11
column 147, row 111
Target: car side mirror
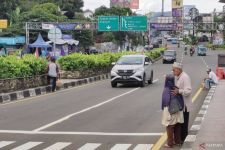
column 147, row 63
column 113, row 63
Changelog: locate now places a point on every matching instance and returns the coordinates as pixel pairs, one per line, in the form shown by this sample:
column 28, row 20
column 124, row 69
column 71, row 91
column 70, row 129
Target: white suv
column 132, row 69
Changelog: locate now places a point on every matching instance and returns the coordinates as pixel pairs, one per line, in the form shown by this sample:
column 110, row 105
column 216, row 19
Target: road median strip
column 28, row 93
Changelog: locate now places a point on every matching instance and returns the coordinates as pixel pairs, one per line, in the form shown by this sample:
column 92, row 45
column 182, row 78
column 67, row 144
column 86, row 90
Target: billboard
column 163, row 26
column 12, row 40
column 177, row 12
column 3, row 24
column 132, row 4
column 218, row 39
column 177, row 3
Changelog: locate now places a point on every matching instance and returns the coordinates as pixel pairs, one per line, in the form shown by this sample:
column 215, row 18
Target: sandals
column 167, row 146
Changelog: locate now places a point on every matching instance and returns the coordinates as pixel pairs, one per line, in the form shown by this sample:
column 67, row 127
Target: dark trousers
column 53, row 82
column 173, row 134
column 48, row 80
column 184, row 126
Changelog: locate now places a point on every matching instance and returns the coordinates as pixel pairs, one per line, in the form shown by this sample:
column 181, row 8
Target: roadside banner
column 177, row 12
column 47, row 26
column 177, row 3
column 66, row 26
column 164, row 26
column 218, row 39
column 134, row 4
column 3, row 24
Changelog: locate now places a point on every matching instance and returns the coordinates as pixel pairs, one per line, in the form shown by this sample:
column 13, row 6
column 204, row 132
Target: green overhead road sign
column 133, row 23
column 108, row 23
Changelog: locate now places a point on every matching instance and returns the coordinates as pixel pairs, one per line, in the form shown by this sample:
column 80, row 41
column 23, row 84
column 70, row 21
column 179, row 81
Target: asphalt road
column 96, row 116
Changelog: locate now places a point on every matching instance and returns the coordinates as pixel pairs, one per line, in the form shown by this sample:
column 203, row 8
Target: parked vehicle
column 132, row 69
column 175, row 41
column 160, row 41
column 169, row 56
column 169, row 39
column 148, row 47
column 155, row 44
column 201, row 51
column 91, row 51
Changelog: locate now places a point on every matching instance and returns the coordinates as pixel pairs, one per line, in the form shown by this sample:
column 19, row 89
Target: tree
column 85, row 38
column 6, row 7
column 116, row 11
column 70, row 5
column 47, row 12
column 14, row 16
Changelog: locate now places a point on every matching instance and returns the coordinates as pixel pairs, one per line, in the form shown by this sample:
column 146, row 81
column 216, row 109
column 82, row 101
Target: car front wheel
column 151, row 79
column 142, row 83
column 113, row 84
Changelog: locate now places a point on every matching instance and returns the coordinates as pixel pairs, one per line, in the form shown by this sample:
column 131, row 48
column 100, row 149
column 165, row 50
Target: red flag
column 37, row 53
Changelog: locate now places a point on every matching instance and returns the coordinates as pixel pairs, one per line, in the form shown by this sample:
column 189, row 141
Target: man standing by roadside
column 184, row 88
column 53, row 73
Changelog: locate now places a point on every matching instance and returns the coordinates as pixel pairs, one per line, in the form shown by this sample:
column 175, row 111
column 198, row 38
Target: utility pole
column 162, row 8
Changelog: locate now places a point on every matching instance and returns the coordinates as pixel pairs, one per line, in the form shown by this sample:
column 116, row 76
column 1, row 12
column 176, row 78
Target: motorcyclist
column 178, row 45
column 192, row 50
column 185, row 49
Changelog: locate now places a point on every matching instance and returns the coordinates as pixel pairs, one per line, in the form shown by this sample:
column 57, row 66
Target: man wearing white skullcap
column 184, row 88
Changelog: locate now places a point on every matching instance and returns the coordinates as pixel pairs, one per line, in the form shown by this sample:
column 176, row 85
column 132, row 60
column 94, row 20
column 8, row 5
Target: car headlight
column 114, row 70
column 138, row 70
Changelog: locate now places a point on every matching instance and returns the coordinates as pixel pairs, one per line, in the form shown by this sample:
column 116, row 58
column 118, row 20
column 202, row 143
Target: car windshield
column 202, row 49
column 130, row 61
column 168, row 53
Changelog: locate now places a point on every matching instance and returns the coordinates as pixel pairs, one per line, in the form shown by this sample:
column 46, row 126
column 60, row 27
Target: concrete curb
column 192, row 136
column 18, row 95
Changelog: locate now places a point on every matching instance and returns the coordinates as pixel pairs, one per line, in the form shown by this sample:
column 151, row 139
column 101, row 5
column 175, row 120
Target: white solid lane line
column 143, row 147
column 90, row 146
column 121, row 147
column 156, row 80
column 78, row 133
column 27, row 146
column 58, row 146
column 82, row 111
column 203, row 60
column 6, row 143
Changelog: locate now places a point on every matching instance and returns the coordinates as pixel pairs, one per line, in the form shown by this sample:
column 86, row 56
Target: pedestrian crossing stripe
column 27, row 146
column 90, row 146
column 61, row 145
column 5, row 143
column 58, row 146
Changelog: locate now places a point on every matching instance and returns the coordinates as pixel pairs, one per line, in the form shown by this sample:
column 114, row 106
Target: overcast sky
column 204, row 6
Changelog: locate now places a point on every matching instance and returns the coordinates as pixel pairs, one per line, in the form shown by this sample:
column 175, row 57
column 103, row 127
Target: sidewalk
column 208, row 130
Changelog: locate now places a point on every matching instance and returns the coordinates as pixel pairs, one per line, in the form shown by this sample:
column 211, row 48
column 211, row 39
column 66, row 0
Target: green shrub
column 12, row 67
column 79, row 61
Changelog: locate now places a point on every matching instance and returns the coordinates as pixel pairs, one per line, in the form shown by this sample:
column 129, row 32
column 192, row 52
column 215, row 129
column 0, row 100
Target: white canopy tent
column 65, row 41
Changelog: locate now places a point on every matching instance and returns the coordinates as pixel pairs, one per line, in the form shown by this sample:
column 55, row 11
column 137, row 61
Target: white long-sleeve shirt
column 213, row 76
column 184, row 85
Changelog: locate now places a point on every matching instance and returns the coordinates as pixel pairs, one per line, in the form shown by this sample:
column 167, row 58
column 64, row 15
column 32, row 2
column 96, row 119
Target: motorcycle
column 192, row 51
column 185, row 50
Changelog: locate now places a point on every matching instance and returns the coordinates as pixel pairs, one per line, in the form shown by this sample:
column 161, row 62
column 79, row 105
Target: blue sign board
column 164, row 26
column 108, row 23
column 133, row 23
column 12, row 40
